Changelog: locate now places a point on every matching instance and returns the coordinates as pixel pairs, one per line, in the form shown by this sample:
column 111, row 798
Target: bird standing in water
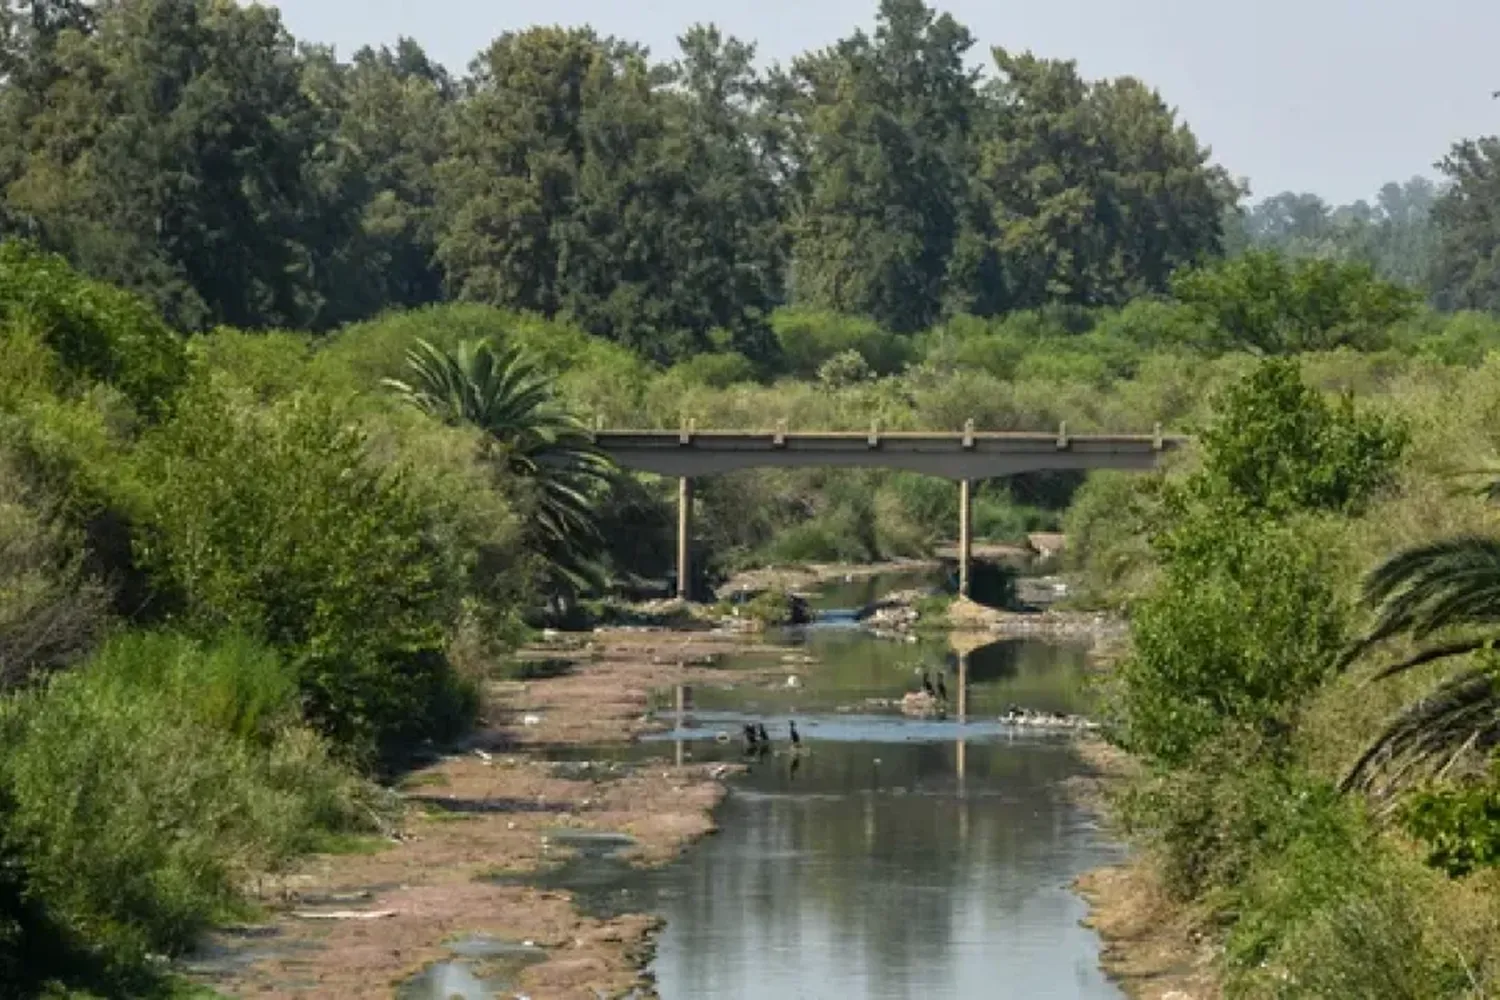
column 765, row 738
column 796, row 737
column 752, row 741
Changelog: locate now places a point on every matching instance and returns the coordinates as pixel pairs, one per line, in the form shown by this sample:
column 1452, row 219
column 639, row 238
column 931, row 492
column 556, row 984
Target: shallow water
column 839, row 668
column 889, row 857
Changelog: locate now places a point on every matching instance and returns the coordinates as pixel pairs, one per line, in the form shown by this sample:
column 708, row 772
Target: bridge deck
column 959, row 455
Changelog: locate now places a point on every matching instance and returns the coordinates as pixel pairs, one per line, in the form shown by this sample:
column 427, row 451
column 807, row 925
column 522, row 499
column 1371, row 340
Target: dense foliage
column 296, row 354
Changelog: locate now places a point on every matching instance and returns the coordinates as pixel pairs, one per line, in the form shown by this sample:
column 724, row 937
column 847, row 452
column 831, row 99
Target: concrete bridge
column 963, row 456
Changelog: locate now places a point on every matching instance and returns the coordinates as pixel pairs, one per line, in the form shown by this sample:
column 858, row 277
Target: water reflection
column 852, row 668
column 875, row 869
column 862, row 591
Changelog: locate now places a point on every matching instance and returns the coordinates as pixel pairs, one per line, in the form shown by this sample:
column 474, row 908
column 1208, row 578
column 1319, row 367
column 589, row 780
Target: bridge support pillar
column 965, row 535
column 685, row 538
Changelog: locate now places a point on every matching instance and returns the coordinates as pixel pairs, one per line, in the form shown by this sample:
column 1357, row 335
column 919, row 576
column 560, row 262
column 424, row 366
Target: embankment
column 492, row 808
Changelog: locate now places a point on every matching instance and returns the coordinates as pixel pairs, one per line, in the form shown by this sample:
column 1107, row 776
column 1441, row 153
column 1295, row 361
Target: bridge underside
column 963, row 457
column 950, row 456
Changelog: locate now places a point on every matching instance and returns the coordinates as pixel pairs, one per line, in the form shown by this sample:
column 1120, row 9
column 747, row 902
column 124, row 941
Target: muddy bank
column 898, row 616
column 813, row 575
column 1153, row 946
column 359, row 925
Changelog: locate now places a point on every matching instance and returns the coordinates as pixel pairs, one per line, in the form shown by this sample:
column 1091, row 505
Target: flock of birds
column 758, row 741
column 940, row 692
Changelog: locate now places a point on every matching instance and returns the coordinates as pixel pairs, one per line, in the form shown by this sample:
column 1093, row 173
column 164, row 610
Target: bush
column 1277, row 445
column 138, row 819
column 98, row 332
column 808, row 338
column 1246, row 620
column 717, row 371
column 1458, row 823
column 1331, row 911
column 276, row 523
column 51, row 612
column 1266, row 303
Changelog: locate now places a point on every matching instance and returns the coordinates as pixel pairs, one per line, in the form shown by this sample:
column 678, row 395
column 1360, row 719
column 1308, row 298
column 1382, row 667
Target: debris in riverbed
column 1029, row 718
column 343, row 914
column 921, row 704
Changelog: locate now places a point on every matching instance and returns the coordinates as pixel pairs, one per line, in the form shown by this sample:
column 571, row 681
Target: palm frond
column 1449, row 583
column 510, row 399
column 1461, row 715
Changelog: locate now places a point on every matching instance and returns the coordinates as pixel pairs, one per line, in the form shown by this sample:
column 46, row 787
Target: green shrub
column 1246, row 620
column 236, row 685
column 717, row 371
column 1331, row 911
column 1458, row 823
column 1266, row 303
column 98, row 332
column 808, row 338
column 136, row 822
column 1277, row 445
column 771, row 609
column 825, row 540
column 51, row 611
column 276, row 523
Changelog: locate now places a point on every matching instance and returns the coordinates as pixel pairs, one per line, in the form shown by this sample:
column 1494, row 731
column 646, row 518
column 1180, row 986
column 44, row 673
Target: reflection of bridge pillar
column 963, row 687
column 965, row 534
column 685, row 538
column 963, row 711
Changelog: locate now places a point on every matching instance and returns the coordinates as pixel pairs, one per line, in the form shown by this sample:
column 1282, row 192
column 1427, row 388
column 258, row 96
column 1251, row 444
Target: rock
column 920, row 704
column 1052, row 721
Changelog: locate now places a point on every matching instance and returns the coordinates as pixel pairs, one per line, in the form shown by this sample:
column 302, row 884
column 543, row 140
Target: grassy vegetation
column 1243, row 571
column 244, row 545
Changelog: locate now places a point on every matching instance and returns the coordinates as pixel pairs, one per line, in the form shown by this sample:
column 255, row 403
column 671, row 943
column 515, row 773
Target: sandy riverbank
column 488, row 809
column 797, row 579
column 1152, row 946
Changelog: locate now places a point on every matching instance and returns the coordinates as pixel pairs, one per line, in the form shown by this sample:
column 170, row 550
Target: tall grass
column 148, row 787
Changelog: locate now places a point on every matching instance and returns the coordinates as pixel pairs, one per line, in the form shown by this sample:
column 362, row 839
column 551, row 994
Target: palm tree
column 1417, row 593
column 510, row 400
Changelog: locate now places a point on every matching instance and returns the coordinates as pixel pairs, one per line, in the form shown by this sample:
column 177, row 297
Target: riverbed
column 884, row 857
column 564, row 853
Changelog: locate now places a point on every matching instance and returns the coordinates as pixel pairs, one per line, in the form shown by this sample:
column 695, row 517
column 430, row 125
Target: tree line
column 197, row 153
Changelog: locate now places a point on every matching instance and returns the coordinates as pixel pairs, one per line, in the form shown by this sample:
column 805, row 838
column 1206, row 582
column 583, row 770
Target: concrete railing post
column 685, row 538
column 965, row 535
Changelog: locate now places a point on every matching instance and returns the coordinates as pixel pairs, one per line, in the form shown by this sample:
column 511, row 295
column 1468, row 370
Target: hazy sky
column 1331, row 96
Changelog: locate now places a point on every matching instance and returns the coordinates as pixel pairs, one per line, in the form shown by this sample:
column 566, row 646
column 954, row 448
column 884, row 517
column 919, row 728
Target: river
column 890, row 857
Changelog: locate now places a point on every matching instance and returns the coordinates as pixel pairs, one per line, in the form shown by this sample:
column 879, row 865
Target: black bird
column 751, row 740
column 765, row 739
column 796, row 737
column 927, row 684
column 942, row 688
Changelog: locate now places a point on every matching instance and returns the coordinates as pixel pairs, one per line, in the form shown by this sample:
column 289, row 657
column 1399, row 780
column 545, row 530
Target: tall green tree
column 391, row 106
column 887, row 121
column 585, row 181
column 169, row 154
column 1466, row 217
column 1098, row 192
column 1393, row 235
